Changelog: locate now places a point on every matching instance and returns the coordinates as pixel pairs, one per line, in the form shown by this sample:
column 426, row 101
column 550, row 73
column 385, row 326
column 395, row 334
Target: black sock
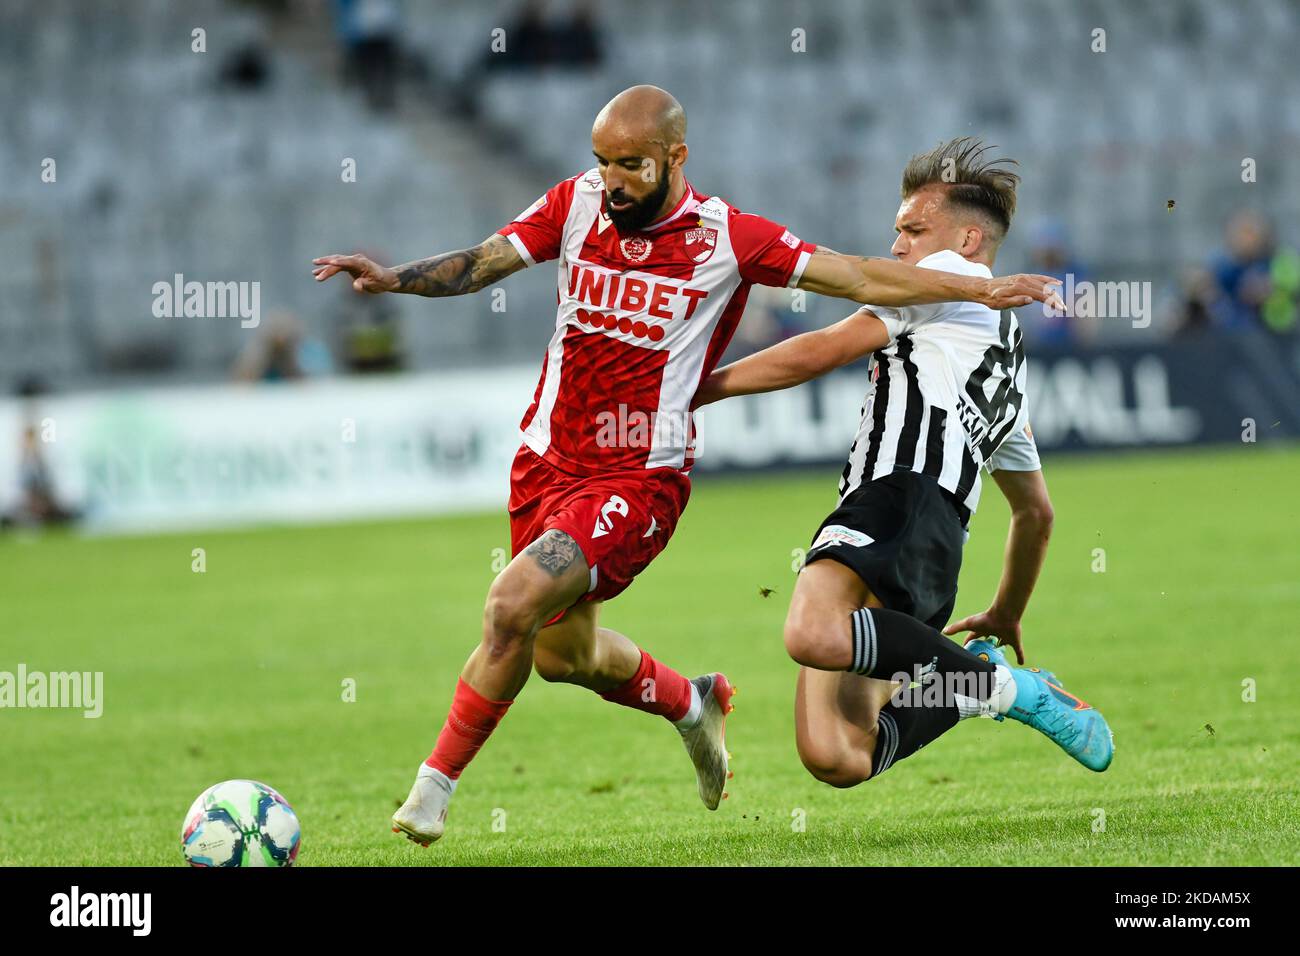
column 889, row 643
column 902, row 731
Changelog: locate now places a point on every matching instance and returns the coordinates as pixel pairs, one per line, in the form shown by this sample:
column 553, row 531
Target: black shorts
column 903, row 535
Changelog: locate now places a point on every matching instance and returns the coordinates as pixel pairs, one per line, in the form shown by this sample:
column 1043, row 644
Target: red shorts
column 620, row 519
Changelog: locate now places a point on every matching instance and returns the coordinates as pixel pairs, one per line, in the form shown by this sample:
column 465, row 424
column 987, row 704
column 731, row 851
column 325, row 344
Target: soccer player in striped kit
column 652, row 281
column 878, row 680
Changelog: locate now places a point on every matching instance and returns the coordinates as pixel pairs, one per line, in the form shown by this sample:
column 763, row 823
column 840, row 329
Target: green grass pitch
column 239, row 671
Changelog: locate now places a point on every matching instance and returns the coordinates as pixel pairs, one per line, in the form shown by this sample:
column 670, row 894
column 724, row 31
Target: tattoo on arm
column 460, row 272
column 556, row 552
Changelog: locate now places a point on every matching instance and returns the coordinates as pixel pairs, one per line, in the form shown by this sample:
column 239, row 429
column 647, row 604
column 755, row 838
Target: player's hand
column 1009, row 292
column 992, row 623
column 367, row 275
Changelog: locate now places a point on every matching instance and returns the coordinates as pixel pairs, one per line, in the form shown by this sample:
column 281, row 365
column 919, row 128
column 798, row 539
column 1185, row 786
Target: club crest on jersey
column 635, row 249
column 700, row 243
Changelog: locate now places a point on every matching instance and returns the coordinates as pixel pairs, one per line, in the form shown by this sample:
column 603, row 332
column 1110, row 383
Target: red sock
column 469, row 724
column 655, row 688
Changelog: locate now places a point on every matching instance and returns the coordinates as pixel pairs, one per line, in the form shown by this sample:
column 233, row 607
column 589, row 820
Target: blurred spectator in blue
column 1200, row 301
column 246, row 69
column 527, row 40
column 282, row 350
column 367, row 330
column 38, row 503
column 1258, row 281
column 769, row 318
column 575, row 43
column 1050, row 254
column 369, row 30
column 532, row 40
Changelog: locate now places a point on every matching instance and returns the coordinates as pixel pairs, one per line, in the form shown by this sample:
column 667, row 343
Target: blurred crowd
column 39, row 502
column 535, row 36
column 362, row 334
column 1252, row 282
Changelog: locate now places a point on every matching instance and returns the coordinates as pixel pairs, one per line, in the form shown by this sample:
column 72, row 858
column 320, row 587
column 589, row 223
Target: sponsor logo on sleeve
column 713, row 208
column 834, row 535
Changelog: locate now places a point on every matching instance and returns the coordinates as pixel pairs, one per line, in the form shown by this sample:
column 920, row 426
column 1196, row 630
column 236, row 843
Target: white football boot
column 704, row 735
column 421, row 818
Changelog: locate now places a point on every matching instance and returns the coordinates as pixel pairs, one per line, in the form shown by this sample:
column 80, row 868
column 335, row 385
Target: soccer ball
column 240, row 823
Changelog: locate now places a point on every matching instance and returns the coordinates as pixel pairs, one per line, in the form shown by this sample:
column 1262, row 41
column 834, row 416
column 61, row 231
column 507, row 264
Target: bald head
column 639, row 140
column 645, row 114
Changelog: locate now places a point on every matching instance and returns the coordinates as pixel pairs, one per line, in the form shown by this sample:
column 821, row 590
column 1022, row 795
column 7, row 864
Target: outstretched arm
column 797, row 360
column 451, row 273
column 885, row 282
column 1031, row 526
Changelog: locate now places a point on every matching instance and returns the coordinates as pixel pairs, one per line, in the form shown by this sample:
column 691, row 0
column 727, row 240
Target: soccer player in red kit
column 652, row 280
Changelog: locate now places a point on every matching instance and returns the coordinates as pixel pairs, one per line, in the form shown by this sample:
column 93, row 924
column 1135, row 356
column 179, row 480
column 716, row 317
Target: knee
column 554, row 667
column 813, row 640
column 550, row 668
column 509, row 621
column 836, row 766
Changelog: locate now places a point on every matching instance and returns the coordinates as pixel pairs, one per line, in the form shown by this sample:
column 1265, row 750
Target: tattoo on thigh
column 555, row 551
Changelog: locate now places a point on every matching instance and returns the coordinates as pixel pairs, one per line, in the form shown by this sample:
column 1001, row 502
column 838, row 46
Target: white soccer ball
column 240, row 823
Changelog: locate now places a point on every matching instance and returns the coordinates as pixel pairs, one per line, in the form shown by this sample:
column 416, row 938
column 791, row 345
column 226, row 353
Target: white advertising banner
column 346, row 448
column 173, row 458
column 240, row 454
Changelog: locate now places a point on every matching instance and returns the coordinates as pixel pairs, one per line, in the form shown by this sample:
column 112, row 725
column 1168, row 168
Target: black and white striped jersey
column 947, row 394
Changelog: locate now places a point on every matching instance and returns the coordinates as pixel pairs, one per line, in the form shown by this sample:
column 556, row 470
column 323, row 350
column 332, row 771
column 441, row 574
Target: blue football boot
column 1072, row 723
column 986, row 650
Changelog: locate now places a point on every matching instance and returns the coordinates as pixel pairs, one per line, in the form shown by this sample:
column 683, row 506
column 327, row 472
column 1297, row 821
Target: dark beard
column 642, row 212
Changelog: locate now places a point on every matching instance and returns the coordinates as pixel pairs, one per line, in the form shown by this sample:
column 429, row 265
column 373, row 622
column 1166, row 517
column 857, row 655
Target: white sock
column 437, row 776
column 693, row 712
column 1004, row 690
column 999, row 701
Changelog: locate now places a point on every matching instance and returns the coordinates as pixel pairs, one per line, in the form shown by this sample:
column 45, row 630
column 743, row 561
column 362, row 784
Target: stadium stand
column 242, row 180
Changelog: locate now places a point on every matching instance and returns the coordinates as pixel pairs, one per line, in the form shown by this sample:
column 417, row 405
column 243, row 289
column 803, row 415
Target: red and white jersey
column 641, row 321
